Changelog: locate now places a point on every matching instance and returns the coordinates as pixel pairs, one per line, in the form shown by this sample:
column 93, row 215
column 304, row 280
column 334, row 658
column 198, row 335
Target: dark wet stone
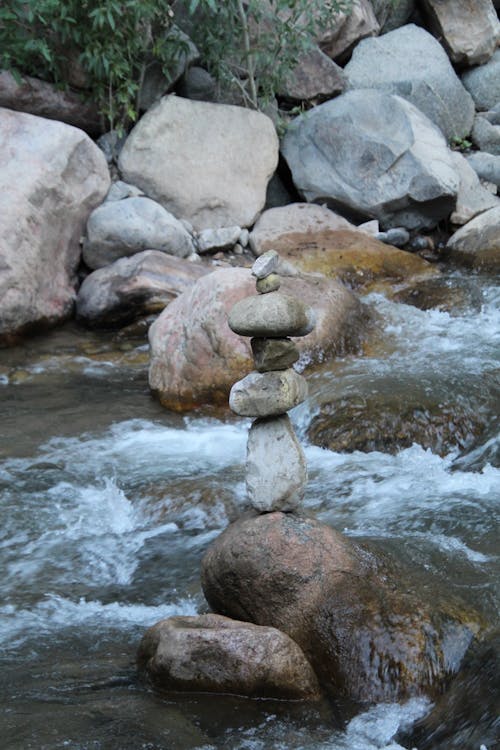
column 273, row 354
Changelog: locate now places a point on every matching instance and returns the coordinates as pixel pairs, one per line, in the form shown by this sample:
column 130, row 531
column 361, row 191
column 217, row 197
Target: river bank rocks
column 470, row 32
column 191, row 157
column 196, row 358
column 131, row 288
column 477, row 244
column 52, row 177
column 365, row 636
column 373, row 155
column 120, row 228
column 214, row 654
column 410, row 63
column 317, row 240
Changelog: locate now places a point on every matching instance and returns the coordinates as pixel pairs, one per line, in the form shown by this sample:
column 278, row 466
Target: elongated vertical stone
column 276, row 471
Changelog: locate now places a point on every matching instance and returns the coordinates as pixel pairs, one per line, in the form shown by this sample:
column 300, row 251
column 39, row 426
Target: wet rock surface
column 477, row 244
column 214, row 654
column 365, row 637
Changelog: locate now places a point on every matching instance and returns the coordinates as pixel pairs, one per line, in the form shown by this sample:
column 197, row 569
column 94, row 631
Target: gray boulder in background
column 472, row 197
column 207, row 163
column 125, row 227
column 391, row 15
column 486, row 134
column 486, row 166
column 469, row 31
column 409, row 62
column 350, row 27
column 52, row 176
column 133, row 287
column 368, row 154
column 315, row 76
column 483, row 83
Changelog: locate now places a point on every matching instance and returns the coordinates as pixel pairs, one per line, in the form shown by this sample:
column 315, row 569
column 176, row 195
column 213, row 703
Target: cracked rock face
column 52, row 176
column 373, row 155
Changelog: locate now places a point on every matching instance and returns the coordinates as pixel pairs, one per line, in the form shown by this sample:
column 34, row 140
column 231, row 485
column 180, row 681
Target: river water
column 108, row 503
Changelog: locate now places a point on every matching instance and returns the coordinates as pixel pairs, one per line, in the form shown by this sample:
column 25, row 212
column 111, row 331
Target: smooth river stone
column 266, row 264
column 272, row 315
column 276, row 471
column 273, row 354
column 270, row 284
column 267, row 394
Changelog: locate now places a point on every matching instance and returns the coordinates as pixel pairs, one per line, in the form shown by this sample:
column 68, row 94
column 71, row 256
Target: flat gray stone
column 271, row 283
column 276, row 471
column 120, row 190
column 267, row 394
column 410, row 63
column 274, row 314
column 265, row 265
column 273, row 354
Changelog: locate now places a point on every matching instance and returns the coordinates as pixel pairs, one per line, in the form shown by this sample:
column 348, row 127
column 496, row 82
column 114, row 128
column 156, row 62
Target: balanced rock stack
column 276, row 471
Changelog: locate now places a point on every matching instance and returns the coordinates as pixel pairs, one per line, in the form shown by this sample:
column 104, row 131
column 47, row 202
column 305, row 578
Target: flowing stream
column 108, row 503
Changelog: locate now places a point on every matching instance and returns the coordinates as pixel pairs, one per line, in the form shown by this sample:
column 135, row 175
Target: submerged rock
column 365, row 636
column 213, row 654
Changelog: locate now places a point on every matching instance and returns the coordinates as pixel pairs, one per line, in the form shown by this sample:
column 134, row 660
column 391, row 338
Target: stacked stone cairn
column 276, row 472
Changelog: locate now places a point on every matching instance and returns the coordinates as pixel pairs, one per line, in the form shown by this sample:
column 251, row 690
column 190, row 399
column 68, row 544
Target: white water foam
column 55, row 613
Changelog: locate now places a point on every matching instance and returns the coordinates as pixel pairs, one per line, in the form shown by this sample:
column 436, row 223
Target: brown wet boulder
column 196, row 358
column 214, row 654
column 365, row 636
column 316, row 239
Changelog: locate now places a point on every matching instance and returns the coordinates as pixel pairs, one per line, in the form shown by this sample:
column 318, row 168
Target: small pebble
column 266, row 264
column 271, row 283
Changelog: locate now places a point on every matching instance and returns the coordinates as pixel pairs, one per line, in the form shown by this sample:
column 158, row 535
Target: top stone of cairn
column 271, row 315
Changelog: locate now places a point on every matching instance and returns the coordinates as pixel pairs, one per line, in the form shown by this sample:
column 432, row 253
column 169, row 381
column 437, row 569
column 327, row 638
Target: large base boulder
column 207, row 163
column 52, row 176
column 368, row 155
column 365, row 636
column 214, row 654
column 196, row 358
column 409, row 62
